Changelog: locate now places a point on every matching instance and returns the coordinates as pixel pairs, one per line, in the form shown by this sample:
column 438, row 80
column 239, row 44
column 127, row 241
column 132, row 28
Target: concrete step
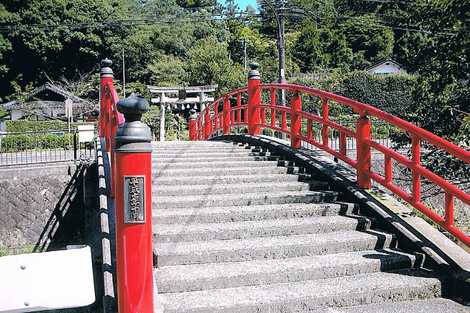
column 306, row 296
column 434, row 305
column 273, row 197
column 201, row 147
column 222, row 171
column 184, row 278
column 190, row 143
column 229, row 188
column 207, row 145
column 157, row 160
column 202, row 150
column 186, row 155
column 250, row 229
column 250, row 213
column 280, row 247
column 216, row 178
column 214, row 164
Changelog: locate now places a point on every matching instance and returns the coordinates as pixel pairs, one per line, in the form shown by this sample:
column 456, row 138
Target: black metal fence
column 38, row 147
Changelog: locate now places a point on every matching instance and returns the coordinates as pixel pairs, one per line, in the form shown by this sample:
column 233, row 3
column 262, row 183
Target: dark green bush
column 390, row 93
column 25, row 126
column 15, row 143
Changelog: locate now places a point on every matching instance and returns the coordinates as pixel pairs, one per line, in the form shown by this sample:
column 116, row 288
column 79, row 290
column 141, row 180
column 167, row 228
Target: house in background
column 49, row 102
column 386, row 67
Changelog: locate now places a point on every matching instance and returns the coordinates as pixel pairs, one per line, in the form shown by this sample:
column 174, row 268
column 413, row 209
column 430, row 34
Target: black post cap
column 133, row 135
column 106, row 70
column 133, row 106
column 254, row 73
column 106, row 63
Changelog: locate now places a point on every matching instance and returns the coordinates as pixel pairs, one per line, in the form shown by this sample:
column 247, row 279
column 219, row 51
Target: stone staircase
column 236, row 229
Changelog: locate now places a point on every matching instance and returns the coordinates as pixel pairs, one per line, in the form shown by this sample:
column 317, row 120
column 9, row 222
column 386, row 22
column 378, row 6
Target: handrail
column 131, row 192
column 244, row 107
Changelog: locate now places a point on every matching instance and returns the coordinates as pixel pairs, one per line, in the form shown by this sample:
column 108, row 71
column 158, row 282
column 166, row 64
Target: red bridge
column 246, row 222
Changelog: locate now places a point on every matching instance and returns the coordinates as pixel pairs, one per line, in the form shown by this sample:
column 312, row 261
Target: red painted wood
column 364, row 143
column 254, row 100
column 296, row 123
column 134, row 254
column 226, row 116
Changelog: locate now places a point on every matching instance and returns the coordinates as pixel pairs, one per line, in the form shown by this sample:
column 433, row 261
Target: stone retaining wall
column 26, row 204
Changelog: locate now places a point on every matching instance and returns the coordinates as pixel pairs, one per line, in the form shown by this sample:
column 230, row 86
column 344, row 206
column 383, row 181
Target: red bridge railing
column 257, row 107
column 127, row 141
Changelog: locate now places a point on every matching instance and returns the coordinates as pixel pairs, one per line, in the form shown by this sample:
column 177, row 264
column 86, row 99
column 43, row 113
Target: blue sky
column 243, row 3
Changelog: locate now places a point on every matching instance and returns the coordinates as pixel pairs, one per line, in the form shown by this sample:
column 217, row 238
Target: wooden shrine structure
column 181, row 99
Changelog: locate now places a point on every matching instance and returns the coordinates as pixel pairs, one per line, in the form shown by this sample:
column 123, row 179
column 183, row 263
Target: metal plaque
column 134, row 195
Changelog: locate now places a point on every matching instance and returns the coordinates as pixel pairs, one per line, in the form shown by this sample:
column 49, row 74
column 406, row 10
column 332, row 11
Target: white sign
column 86, row 132
column 46, row 281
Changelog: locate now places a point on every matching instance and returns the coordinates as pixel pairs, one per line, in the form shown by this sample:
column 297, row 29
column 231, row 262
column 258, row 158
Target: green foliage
column 320, row 48
column 391, row 93
column 369, row 40
column 25, row 126
column 175, row 125
column 209, row 63
column 167, row 70
column 152, row 119
column 16, row 143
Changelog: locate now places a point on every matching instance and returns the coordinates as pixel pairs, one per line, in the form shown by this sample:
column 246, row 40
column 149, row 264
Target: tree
column 5, row 44
column 319, row 48
column 369, row 40
column 209, row 63
column 167, row 70
column 61, row 37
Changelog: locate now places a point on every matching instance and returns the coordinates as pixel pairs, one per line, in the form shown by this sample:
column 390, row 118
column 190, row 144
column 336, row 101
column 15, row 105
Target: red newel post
column 254, row 100
column 296, row 123
column 108, row 123
column 207, row 123
column 106, row 80
column 134, row 209
column 227, row 115
column 363, row 130
column 192, row 125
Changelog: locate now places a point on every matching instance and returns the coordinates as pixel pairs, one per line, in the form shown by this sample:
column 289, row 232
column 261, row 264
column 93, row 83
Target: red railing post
column 296, row 121
column 416, row 159
column 108, row 122
column 254, row 100
column 363, row 130
column 192, row 126
column 227, row 115
column 325, row 118
column 134, row 209
column 207, row 123
column 106, row 80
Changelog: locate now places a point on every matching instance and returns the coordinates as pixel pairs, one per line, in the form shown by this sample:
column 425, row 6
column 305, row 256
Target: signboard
column 86, row 132
column 134, row 195
column 46, row 281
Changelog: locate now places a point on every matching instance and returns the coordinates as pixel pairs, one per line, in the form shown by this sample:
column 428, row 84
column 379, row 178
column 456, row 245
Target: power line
column 134, row 22
column 242, row 16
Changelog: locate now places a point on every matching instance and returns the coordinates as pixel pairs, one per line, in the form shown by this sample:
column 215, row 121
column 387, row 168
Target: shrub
column 16, row 143
column 25, row 126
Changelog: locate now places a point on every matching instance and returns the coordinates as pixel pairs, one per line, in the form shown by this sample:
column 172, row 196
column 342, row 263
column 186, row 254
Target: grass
column 4, row 251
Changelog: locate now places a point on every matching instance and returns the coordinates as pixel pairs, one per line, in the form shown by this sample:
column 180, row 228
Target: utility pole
column 280, row 8
column 245, row 59
column 123, row 73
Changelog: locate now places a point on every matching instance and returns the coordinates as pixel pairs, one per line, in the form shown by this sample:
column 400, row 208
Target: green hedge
column 15, row 143
column 390, row 93
column 25, row 126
